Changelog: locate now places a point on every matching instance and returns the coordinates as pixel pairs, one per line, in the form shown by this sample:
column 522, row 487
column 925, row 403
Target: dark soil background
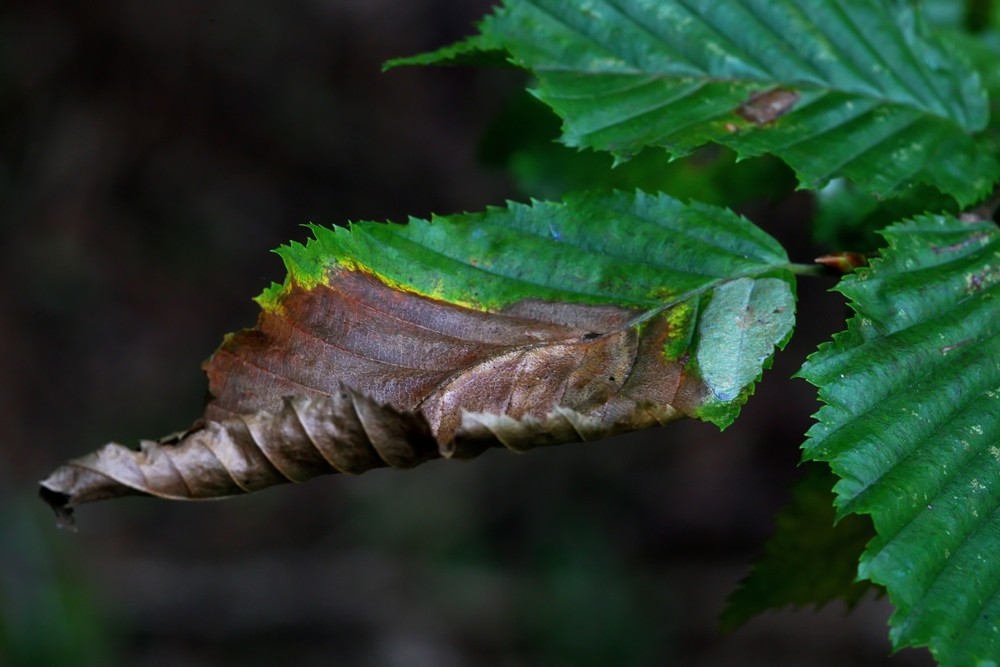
column 151, row 154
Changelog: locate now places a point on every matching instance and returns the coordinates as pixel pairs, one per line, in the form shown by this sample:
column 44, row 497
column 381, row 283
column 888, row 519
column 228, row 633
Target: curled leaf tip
column 60, row 504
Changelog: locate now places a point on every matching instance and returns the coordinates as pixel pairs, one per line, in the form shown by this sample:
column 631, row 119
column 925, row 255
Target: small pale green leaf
column 861, row 89
column 911, row 426
column 738, row 330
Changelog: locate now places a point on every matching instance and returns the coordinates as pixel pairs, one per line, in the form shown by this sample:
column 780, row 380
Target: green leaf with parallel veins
column 525, row 326
column 860, row 89
column 808, row 560
column 912, row 428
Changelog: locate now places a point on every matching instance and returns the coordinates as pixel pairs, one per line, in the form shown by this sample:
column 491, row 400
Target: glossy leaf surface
column 911, row 427
column 862, row 89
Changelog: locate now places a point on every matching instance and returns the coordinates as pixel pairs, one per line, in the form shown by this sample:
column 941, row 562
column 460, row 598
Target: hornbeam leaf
column 857, row 89
column 808, row 560
column 526, row 326
column 911, row 426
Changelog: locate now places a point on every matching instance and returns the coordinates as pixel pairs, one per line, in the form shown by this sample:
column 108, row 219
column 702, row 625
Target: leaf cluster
column 621, row 306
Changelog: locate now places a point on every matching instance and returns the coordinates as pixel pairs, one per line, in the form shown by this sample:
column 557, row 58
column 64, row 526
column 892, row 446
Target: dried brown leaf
column 355, row 375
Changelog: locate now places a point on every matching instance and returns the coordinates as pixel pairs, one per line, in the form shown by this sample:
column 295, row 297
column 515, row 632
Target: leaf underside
column 860, row 90
column 911, row 427
column 521, row 327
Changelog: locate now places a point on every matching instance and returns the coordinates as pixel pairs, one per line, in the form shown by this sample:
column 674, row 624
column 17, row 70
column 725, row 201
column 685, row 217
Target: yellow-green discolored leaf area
column 520, row 327
column 911, row 427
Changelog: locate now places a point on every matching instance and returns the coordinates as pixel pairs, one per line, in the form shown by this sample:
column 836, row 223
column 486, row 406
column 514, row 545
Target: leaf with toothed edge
column 521, row 326
column 911, row 426
column 862, row 89
column 808, row 560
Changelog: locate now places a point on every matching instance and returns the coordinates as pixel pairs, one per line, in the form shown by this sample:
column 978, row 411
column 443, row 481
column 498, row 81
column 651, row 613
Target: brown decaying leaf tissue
column 763, row 108
column 358, row 375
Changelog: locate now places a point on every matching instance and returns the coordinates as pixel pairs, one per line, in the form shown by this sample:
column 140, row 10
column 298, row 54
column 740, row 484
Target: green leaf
column 523, row 326
column 912, row 428
column 808, row 560
column 860, row 90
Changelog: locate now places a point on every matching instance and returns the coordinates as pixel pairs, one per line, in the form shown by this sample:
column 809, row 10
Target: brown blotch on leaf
column 356, row 375
column 763, row 108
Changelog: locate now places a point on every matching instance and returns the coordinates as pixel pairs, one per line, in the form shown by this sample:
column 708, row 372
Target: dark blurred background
column 151, row 154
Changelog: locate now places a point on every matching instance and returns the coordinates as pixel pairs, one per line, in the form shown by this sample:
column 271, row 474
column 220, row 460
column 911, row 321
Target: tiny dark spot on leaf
column 763, row 108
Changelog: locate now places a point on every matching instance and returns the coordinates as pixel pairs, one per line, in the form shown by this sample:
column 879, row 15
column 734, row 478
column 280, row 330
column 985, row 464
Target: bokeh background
column 151, row 154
